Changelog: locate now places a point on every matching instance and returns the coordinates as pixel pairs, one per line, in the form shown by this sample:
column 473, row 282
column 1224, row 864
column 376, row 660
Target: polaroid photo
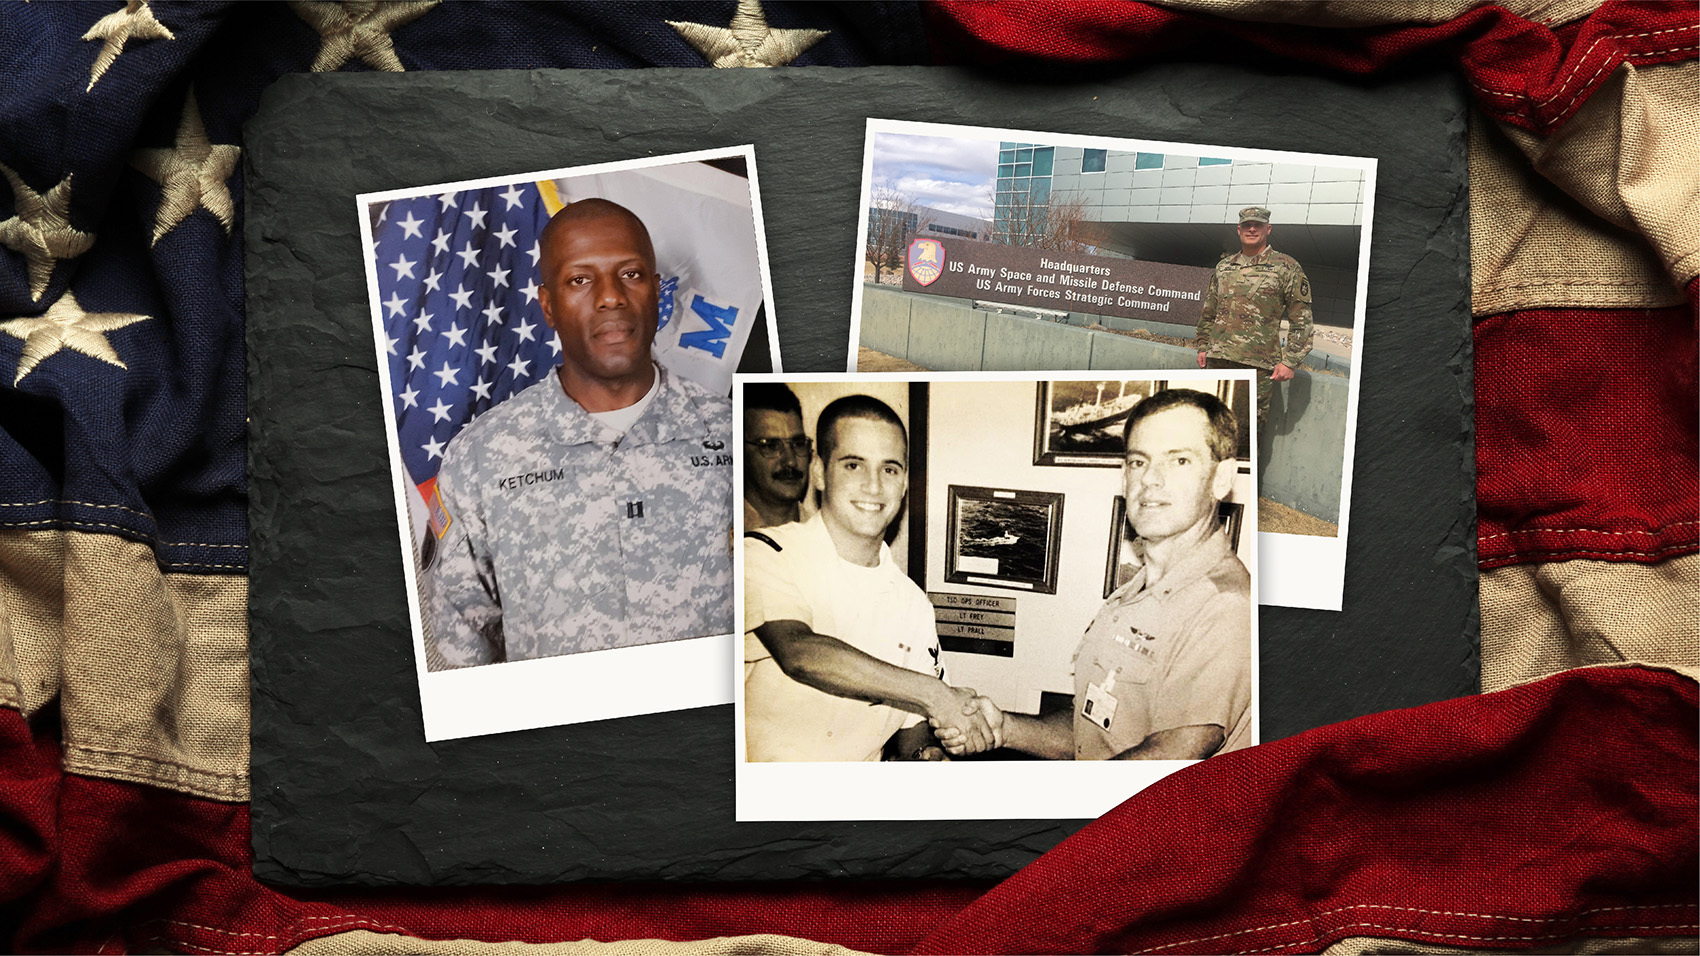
column 993, row 249
column 556, row 351
column 928, row 609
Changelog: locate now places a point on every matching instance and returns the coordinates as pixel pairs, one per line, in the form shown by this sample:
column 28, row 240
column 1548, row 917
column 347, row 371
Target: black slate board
column 345, row 789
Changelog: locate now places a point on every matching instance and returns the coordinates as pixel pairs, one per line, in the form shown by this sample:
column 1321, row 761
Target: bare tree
column 893, row 217
column 1057, row 223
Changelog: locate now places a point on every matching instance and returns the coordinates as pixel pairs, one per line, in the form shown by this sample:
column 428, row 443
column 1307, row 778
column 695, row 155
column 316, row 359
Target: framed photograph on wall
column 1079, row 423
column 1003, row 538
column 1120, row 565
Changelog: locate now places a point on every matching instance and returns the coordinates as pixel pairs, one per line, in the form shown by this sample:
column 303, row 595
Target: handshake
column 967, row 723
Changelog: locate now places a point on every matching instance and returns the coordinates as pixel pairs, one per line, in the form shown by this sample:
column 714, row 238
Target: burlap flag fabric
column 1554, row 812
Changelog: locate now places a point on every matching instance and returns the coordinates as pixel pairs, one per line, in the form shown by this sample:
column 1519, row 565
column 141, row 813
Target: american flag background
column 1555, row 811
column 454, row 273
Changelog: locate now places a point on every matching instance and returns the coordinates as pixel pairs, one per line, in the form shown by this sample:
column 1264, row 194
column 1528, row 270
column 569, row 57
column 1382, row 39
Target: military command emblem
column 926, row 260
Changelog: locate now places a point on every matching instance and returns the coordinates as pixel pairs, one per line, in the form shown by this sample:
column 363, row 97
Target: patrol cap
column 1254, row 214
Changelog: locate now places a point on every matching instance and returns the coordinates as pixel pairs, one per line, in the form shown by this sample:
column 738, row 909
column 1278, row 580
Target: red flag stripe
column 1496, row 821
column 1523, row 72
column 1585, row 435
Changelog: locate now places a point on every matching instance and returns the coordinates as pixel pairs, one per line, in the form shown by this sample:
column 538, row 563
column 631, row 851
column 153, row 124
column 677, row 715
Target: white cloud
column 972, row 156
column 946, row 173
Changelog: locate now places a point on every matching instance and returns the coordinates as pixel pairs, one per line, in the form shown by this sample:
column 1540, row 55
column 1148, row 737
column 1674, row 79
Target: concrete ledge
column 885, row 320
column 1306, row 450
column 1112, row 352
column 1303, row 446
column 945, row 336
column 1124, row 324
column 1015, row 343
column 1323, row 362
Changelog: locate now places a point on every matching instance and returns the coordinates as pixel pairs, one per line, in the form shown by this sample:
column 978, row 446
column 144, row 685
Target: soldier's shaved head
column 583, row 211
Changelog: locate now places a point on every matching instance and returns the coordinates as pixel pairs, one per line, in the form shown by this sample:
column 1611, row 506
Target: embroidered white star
column 447, row 375
column 530, row 290
column 462, row 297
column 433, row 449
column 476, row 214
column 499, row 276
column 66, row 325
column 525, row 328
column 518, row 366
column 403, row 266
column 134, row 22
column 440, row 412
column 191, row 174
column 469, row 255
column 390, row 344
column 481, row 388
column 410, row 226
column 448, row 201
column 349, row 30
column 486, row 354
column 455, row 334
column 505, row 236
column 441, row 243
column 513, row 196
column 433, row 280
column 415, row 359
column 396, row 304
column 423, row 322
column 555, row 343
column 535, row 253
column 409, row 397
column 41, row 229
column 749, row 41
column 493, row 314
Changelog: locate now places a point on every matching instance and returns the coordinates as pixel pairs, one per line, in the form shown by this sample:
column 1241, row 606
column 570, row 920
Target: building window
column 1092, row 160
column 1207, row 161
column 1042, row 160
column 1148, row 161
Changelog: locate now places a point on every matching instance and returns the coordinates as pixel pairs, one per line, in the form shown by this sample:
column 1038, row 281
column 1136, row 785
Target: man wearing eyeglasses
column 776, row 463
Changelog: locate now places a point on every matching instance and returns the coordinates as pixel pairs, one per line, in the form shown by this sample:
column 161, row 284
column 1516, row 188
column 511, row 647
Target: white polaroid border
column 958, row 790
column 1304, row 570
column 570, row 688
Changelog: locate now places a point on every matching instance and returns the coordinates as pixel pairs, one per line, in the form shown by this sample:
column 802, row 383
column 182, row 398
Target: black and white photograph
column 556, row 351
column 1123, row 562
column 1079, row 423
column 923, row 605
column 983, row 249
column 1003, row 538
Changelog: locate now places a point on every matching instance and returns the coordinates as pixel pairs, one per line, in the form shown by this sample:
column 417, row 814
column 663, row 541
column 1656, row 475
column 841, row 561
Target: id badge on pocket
column 1100, row 704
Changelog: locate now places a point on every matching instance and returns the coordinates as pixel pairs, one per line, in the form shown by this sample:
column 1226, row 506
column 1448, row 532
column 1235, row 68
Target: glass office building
column 1182, row 208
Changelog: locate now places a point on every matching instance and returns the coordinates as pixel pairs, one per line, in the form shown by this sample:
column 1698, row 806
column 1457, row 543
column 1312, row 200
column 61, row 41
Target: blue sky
column 954, row 175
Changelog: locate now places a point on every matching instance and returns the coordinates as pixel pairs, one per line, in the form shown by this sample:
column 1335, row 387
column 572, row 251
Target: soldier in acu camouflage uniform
column 1249, row 295
column 593, row 509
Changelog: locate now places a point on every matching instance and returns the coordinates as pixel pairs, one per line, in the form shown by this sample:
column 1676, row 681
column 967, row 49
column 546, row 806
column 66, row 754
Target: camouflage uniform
column 1246, row 300
column 565, row 536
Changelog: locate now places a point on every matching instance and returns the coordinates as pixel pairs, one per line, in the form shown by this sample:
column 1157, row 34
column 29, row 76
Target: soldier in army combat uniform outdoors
column 591, row 510
column 1249, row 295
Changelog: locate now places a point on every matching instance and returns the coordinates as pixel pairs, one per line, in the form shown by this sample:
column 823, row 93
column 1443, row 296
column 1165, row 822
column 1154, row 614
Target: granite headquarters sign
column 1065, row 281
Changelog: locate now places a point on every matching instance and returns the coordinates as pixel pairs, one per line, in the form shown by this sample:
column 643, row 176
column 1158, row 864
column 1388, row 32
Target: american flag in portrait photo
column 455, row 276
column 457, row 283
